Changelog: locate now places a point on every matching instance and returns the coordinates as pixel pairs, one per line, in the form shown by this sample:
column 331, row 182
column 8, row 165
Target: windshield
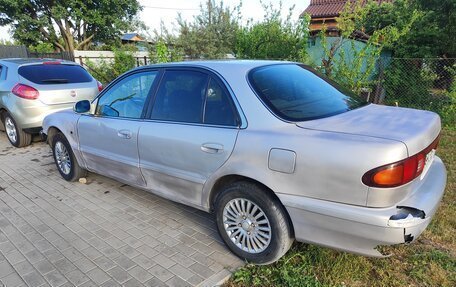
column 296, row 93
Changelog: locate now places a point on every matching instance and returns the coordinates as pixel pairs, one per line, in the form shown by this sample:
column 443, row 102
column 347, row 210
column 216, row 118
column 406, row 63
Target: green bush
column 107, row 70
column 412, row 84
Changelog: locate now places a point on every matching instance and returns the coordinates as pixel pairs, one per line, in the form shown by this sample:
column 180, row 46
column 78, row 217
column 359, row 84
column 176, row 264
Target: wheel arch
column 3, row 111
column 232, row 178
column 52, row 131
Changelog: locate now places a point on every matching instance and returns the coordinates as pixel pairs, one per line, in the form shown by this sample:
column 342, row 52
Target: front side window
column 127, row 98
column 180, row 97
column 295, row 93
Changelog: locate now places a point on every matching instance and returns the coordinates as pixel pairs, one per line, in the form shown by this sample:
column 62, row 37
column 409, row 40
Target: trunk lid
column 417, row 129
column 66, row 93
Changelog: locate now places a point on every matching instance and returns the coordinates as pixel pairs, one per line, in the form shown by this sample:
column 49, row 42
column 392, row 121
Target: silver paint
column 324, row 195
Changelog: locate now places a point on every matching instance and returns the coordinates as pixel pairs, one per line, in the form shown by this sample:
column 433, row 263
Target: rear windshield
column 51, row 74
column 296, row 93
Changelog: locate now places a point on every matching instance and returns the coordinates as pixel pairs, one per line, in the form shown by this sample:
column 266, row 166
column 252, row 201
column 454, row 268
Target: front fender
column 65, row 122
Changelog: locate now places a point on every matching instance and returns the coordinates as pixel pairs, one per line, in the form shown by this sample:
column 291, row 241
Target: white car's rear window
column 51, row 74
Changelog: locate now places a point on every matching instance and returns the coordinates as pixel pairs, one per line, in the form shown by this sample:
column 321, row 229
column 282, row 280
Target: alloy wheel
column 247, row 225
column 10, row 129
column 62, row 157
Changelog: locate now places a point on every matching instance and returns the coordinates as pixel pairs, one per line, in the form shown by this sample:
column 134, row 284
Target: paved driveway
column 101, row 233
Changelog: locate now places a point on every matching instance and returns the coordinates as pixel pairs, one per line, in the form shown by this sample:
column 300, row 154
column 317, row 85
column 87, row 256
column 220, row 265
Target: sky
column 155, row 11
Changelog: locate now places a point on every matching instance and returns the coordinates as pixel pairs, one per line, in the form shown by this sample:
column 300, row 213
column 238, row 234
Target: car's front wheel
column 65, row 160
column 252, row 223
column 16, row 136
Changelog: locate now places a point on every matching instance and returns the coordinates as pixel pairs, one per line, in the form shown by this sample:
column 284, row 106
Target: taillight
column 100, row 86
column 25, row 92
column 401, row 172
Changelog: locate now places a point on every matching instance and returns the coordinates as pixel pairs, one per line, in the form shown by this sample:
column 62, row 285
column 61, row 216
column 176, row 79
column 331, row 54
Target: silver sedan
column 274, row 150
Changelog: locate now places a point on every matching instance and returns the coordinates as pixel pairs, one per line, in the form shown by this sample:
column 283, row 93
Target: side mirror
column 82, row 107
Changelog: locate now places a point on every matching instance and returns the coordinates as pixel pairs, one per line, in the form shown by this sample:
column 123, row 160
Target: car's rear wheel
column 65, row 160
column 252, row 223
column 16, row 136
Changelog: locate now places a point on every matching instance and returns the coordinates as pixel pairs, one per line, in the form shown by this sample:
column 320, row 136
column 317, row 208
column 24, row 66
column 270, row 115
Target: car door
column 192, row 130
column 109, row 139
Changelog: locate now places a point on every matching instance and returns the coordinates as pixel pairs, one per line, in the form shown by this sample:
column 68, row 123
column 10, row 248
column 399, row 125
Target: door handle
column 212, row 148
column 125, row 134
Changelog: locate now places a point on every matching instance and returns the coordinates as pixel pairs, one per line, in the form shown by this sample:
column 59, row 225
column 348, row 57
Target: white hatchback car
column 31, row 89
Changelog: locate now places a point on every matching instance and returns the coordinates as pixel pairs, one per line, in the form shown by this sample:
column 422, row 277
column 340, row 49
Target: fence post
column 145, row 60
column 379, row 89
column 80, row 60
column 137, row 61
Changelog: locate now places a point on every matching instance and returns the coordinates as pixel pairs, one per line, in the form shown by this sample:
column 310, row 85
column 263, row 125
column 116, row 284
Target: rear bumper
column 360, row 229
column 29, row 115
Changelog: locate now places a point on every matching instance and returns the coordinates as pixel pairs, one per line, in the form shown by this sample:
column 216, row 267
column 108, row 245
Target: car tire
column 65, row 160
column 16, row 136
column 252, row 223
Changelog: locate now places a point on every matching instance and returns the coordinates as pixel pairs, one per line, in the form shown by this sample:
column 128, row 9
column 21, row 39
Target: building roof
column 130, row 37
column 329, row 8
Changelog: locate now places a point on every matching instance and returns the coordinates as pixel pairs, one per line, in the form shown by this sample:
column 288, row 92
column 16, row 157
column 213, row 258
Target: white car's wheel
column 16, row 136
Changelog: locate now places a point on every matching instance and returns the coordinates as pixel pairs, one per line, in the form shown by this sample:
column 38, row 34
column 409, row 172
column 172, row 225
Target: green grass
column 430, row 261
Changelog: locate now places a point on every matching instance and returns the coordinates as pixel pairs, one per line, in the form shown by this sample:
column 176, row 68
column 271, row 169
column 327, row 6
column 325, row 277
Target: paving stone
column 119, row 274
column 57, row 233
column 104, row 263
column 98, row 276
column 124, row 262
column 143, row 261
column 12, row 280
column 177, row 282
column 161, row 273
column 132, row 282
column 110, row 283
column 155, row 282
column 44, row 266
column 64, row 265
column 164, row 261
column 55, row 278
column 23, row 267
column 33, row 279
column 140, row 274
column 5, row 269
column 84, row 264
column 14, row 257
column 181, row 271
column 76, row 277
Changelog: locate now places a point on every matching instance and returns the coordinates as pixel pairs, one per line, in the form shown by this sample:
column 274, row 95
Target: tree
column 212, row 33
column 162, row 54
column 432, row 33
column 351, row 64
column 68, row 24
column 273, row 37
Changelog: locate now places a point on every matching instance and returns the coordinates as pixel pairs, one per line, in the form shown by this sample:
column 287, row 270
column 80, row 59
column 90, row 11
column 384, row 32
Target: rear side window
column 218, row 108
column 295, row 93
column 51, row 74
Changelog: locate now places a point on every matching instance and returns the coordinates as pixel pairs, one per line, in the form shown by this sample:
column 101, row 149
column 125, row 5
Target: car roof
column 29, row 61
column 220, row 65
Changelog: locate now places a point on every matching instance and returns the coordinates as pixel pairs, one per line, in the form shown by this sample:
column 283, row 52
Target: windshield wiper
column 55, row 81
